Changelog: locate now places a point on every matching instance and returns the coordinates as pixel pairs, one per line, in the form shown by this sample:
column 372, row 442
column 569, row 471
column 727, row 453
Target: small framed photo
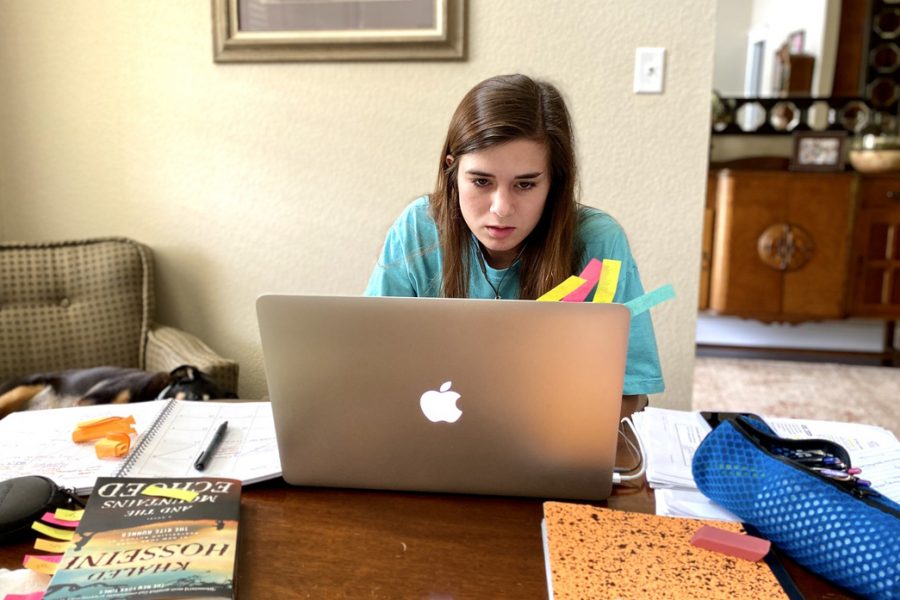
column 818, row 151
column 796, row 40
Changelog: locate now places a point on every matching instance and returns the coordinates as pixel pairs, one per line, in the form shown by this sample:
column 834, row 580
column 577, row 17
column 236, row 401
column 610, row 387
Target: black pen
column 207, row 454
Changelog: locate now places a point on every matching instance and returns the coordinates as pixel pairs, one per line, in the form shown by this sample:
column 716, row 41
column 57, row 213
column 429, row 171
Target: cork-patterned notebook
column 596, row 552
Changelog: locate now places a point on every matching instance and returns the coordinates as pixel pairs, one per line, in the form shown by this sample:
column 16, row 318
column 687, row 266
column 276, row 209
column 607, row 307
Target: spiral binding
column 142, row 445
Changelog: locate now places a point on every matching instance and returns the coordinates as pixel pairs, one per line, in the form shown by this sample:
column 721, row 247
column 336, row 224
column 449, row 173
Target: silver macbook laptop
column 507, row 397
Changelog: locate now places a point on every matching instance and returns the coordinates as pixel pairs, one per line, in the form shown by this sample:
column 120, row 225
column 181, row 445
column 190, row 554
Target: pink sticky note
column 53, row 519
column 31, row 596
column 590, row 274
column 54, row 558
column 44, row 563
column 740, row 545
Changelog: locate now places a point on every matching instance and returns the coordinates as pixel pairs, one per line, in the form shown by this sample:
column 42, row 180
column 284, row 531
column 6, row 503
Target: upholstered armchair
column 89, row 303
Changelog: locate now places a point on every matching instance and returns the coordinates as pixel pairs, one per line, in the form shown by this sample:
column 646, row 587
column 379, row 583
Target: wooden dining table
column 304, row 542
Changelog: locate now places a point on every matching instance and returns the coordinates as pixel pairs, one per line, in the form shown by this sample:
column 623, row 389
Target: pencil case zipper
column 856, row 492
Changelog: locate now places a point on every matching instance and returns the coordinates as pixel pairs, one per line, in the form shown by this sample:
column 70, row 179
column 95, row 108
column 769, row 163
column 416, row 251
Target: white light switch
column 649, row 70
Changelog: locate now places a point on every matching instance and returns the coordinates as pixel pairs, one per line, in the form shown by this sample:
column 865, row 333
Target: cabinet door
column 706, row 256
column 745, row 206
column 876, row 281
column 822, row 204
column 781, row 248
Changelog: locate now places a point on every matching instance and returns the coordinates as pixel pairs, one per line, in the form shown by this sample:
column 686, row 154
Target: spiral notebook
column 171, row 434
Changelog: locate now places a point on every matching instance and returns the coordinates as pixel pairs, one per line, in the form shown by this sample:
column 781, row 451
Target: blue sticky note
column 650, row 299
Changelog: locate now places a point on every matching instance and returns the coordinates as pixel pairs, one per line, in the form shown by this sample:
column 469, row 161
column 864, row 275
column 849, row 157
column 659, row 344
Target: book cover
column 133, row 545
column 593, row 552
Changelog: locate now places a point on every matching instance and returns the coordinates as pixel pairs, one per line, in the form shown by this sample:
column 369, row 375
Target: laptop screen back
column 446, row 395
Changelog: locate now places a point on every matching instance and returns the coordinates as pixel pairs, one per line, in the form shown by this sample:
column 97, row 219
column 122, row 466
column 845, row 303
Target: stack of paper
column 670, row 438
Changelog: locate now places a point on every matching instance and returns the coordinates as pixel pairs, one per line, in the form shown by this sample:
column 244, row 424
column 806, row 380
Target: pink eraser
column 740, row 545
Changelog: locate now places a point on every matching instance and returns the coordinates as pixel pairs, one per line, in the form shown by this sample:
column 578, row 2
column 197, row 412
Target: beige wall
column 246, row 179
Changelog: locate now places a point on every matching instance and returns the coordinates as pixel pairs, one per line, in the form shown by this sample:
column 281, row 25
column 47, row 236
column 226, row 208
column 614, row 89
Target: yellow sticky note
column 41, row 564
column 50, row 545
column 562, row 290
column 55, row 532
column 155, row 490
column 69, row 515
column 609, row 280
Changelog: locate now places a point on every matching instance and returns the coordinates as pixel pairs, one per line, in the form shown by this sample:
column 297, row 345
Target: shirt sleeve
column 643, row 374
column 603, row 238
column 391, row 275
column 409, row 264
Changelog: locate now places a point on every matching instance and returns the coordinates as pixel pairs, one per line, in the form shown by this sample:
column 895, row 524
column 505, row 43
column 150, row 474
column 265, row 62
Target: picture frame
column 337, row 30
column 818, row 151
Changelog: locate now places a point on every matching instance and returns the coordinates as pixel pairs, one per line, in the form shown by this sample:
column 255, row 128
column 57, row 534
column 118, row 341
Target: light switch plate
column 649, row 70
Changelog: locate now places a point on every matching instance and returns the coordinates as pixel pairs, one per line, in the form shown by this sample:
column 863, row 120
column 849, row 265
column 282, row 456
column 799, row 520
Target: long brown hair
column 498, row 110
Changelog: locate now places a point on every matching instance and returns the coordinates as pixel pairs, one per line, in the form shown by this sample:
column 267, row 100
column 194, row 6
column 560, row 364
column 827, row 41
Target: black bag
column 24, row 500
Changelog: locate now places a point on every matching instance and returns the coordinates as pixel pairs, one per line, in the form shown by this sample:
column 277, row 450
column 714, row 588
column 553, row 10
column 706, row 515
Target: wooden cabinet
column 706, row 256
column 876, row 249
column 781, row 245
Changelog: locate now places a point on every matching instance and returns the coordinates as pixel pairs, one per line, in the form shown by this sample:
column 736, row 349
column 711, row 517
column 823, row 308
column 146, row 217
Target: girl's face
column 502, row 192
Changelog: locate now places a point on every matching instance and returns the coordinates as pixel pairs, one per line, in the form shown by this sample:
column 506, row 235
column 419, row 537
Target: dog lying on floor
column 106, row 385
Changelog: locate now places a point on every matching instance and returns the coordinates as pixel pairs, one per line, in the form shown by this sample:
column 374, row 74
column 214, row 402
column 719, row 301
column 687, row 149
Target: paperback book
column 130, row 544
column 593, row 552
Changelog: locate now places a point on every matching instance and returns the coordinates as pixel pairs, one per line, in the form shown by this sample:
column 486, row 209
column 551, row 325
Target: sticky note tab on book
column 55, row 532
column 45, row 563
column 740, row 545
column 650, row 299
column 32, row 596
column 51, row 546
column 609, row 280
column 69, row 515
column 562, row 290
column 54, row 520
column 155, row 490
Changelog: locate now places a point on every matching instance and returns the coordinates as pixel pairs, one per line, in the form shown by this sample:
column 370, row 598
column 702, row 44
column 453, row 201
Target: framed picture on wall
column 795, row 41
column 309, row 30
column 818, row 151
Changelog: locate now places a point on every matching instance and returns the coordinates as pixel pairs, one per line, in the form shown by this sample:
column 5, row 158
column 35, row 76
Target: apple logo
column 441, row 405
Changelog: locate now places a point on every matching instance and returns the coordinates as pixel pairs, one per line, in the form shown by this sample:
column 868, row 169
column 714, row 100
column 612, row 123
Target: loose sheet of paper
column 670, row 438
column 881, row 466
column 681, row 502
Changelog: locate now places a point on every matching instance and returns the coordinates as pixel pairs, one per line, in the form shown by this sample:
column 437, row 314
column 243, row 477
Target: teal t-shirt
column 410, row 265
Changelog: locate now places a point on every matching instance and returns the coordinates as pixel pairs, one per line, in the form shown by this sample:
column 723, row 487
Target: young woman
column 504, row 222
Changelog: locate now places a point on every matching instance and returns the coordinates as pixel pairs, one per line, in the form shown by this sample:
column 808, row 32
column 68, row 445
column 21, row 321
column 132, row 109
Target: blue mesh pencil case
column 803, row 496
